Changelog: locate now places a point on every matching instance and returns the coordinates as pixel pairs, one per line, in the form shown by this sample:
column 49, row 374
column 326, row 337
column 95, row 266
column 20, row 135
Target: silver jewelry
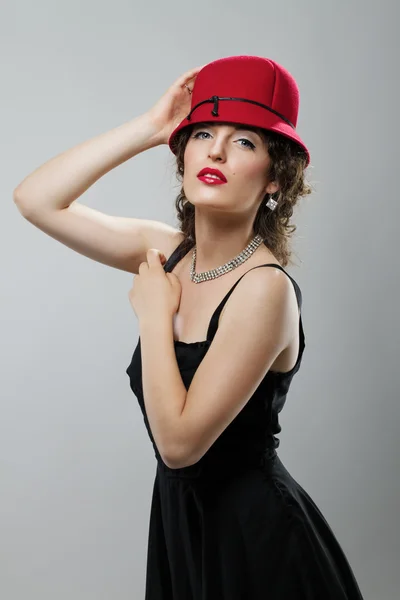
column 271, row 203
column 189, row 90
column 229, row 266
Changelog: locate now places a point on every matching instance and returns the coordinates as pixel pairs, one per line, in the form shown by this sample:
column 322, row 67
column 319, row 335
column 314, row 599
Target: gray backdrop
column 77, row 467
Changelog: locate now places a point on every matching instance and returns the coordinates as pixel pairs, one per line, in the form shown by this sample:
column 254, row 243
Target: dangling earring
column 271, row 203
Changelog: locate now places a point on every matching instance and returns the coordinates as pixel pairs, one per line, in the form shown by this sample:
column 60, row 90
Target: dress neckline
column 178, row 255
column 200, row 343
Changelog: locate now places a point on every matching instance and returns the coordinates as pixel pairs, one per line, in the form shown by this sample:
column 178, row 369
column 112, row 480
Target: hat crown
column 252, row 77
column 247, row 90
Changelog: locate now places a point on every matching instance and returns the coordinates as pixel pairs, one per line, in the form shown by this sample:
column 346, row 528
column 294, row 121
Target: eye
column 196, row 135
column 251, row 145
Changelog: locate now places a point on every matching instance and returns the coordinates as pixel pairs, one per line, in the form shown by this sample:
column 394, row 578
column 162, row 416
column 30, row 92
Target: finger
column 154, row 256
column 174, row 279
column 142, row 267
column 189, row 74
column 193, row 72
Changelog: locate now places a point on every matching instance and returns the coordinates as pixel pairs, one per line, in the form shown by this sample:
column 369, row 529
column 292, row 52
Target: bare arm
column 62, row 179
column 164, row 395
column 46, row 198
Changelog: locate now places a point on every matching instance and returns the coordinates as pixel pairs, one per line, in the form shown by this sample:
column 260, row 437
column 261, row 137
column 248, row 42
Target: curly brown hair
column 287, row 167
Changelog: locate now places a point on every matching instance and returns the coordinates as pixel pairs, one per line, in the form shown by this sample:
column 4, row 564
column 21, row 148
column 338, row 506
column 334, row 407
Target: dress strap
column 174, row 258
column 180, row 252
column 213, row 326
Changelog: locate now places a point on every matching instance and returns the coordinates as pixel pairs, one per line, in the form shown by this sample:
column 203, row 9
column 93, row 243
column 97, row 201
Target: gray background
column 77, row 467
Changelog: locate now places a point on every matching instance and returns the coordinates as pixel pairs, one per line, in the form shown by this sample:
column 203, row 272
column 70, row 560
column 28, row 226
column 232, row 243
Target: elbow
column 176, row 456
column 173, row 459
column 179, row 458
column 178, row 451
column 17, row 195
column 19, row 202
column 171, row 464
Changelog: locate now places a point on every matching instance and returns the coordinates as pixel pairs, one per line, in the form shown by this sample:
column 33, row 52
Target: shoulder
column 262, row 285
column 262, row 300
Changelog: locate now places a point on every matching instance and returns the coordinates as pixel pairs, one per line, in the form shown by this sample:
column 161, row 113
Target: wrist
column 154, row 128
column 162, row 322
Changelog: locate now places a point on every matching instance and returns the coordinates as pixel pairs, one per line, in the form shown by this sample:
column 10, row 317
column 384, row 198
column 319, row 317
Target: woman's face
column 240, row 154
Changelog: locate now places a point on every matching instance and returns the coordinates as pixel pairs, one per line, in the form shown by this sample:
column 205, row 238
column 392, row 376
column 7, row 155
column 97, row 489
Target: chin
column 211, row 198
column 211, row 206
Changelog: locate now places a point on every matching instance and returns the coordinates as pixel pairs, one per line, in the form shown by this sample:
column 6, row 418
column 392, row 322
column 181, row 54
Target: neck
column 217, row 244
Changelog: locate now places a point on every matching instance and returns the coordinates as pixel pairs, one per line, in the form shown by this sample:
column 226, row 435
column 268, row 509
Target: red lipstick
column 202, row 175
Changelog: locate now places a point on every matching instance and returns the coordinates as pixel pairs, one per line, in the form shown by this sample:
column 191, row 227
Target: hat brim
column 238, row 112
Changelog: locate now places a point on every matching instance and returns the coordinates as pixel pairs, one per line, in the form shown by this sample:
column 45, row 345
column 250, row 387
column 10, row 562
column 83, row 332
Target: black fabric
column 236, row 525
column 216, row 99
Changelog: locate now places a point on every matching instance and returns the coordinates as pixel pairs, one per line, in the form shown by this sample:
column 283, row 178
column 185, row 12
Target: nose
column 217, row 152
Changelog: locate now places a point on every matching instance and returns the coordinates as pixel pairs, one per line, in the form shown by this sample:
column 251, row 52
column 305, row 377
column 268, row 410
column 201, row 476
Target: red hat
column 249, row 90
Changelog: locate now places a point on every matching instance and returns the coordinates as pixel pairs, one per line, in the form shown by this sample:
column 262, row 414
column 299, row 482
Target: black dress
column 236, row 525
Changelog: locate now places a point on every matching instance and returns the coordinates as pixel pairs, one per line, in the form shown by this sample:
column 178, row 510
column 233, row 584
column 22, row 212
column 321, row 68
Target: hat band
column 215, row 100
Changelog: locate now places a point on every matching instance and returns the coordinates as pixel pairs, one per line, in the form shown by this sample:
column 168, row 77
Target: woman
column 214, row 361
column 221, row 337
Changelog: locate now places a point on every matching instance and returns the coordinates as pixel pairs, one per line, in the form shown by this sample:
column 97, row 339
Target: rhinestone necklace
column 229, row 266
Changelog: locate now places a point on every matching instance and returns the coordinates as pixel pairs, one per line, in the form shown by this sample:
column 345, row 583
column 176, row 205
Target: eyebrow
column 236, row 126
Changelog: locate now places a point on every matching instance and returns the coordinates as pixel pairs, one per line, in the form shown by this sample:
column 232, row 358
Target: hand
column 174, row 105
column 155, row 293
